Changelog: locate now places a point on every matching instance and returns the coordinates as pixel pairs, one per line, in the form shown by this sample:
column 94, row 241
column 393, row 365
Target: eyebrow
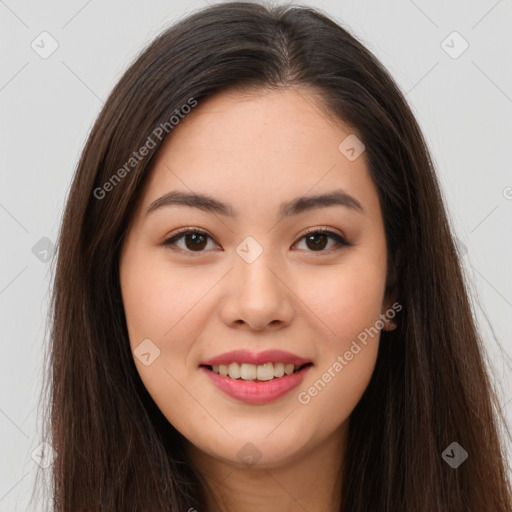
column 294, row 207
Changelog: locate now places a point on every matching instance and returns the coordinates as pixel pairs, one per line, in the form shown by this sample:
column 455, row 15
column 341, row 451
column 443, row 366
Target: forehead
column 258, row 148
column 241, row 122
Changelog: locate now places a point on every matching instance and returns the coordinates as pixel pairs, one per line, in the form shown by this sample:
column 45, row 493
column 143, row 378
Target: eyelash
column 340, row 241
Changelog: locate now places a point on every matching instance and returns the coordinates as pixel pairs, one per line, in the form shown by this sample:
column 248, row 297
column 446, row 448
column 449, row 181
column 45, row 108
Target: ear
column 388, row 315
column 390, row 305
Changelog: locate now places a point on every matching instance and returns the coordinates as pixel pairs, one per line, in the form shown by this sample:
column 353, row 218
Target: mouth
column 256, row 372
column 256, row 378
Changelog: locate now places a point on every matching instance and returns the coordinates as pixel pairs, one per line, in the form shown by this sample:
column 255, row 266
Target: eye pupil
column 315, row 239
column 198, row 241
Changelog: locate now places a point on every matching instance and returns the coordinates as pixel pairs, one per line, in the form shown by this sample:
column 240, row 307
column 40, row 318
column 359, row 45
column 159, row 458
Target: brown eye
column 194, row 240
column 318, row 240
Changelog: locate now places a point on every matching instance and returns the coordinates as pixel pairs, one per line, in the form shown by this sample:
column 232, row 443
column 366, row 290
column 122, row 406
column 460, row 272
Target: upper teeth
column 247, row 371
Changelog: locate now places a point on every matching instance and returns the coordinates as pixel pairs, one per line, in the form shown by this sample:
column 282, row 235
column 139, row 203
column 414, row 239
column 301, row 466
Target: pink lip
column 245, row 356
column 255, row 391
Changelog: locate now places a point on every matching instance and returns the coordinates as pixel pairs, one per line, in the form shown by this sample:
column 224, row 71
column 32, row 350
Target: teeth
column 234, row 370
column 246, row 371
column 288, row 368
column 265, row 371
column 278, row 369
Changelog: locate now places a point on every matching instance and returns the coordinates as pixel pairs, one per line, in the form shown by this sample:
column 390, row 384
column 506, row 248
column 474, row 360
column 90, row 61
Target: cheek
column 345, row 298
column 162, row 305
column 169, row 306
column 160, row 300
column 347, row 301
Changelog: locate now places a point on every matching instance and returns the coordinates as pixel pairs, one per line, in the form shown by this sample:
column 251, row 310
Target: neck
column 311, row 481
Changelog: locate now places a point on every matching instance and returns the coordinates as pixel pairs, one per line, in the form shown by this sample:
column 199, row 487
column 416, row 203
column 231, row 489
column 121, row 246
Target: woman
column 258, row 302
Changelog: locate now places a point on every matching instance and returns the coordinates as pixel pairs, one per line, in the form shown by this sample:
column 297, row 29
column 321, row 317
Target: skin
column 255, row 151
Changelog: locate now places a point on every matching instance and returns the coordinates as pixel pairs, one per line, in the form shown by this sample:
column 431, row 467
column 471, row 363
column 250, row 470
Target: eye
column 317, row 240
column 195, row 240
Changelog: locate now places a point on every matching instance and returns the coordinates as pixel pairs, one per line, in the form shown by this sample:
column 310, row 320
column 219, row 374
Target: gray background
column 463, row 105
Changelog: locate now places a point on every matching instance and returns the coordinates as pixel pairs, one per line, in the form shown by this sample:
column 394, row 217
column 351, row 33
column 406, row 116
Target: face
column 253, row 282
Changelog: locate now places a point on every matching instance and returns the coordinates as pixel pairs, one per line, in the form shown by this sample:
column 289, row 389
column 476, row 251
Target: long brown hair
column 431, row 387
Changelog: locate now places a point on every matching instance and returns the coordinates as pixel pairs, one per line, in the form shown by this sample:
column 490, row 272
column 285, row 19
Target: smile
column 261, row 372
column 256, row 378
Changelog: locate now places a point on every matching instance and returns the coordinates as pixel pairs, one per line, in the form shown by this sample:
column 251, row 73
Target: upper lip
column 248, row 357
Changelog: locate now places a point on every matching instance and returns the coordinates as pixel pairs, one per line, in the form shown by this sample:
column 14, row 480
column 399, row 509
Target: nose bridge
column 254, row 277
column 257, row 296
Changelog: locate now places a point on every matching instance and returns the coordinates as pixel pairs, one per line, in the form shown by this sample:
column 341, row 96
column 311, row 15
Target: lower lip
column 257, row 392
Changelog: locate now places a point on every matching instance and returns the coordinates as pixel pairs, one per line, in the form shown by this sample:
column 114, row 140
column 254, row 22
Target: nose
column 256, row 297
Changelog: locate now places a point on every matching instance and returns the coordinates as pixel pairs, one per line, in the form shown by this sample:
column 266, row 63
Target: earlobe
column 390, row 303
column 389, row 313
column 389, row 325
